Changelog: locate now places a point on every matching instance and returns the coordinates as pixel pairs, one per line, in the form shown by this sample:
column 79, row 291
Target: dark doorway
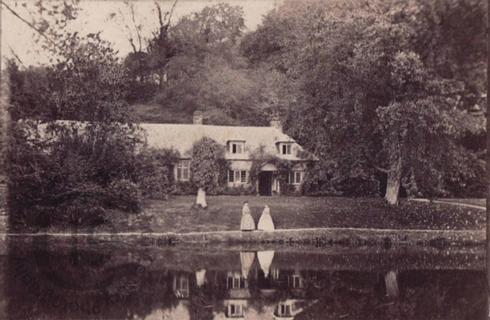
column 265, row 183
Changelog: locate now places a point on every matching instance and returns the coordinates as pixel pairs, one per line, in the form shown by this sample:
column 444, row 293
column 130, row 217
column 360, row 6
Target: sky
column 94, row 16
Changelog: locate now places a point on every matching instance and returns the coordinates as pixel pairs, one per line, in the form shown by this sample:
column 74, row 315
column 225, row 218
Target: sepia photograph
column 244, row 159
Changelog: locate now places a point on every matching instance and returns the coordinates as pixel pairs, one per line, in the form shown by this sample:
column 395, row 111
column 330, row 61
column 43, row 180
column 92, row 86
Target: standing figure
column 247, row 223
column 265, row 221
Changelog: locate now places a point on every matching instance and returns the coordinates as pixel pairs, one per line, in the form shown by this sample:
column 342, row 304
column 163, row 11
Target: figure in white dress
column 247, row 223
column 265, row 221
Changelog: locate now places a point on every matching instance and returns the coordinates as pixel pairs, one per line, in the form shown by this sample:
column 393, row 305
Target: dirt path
column 459, row 204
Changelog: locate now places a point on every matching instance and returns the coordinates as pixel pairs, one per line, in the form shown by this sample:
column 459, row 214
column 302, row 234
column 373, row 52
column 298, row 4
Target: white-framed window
column 238, row 176
column 295, row 177
column 182, row 170
column 285, row 148
column 295, row 281
column 284, row 309
column 235, row 282
column 181, row 287
column 237, row 147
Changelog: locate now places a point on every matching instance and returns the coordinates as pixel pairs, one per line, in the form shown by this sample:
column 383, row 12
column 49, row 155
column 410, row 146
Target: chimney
column 276, row 123
column 197, row 117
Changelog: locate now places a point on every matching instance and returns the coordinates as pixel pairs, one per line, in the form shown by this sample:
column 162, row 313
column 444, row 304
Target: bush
column 154, row 172
column 207, row 163
column 237, row 191
column 70, row 180
column 358, row 187
column 125, row 195
column 184, row 188
column 141, row 92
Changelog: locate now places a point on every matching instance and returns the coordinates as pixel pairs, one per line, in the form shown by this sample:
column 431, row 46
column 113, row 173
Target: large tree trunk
column 201, row 198
column 394, row 180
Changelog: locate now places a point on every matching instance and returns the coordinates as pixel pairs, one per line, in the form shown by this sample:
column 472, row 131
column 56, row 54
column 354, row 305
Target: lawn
column 224, row 213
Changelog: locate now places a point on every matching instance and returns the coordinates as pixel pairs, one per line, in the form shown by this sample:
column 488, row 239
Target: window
column 284, row 309
column 235, row 282
column 183, row 170
column 243, row 176
column 181, row 287
column 237, row 147
column 238, row 176
column 285, row 148
column 295, row 281
column 295, row 177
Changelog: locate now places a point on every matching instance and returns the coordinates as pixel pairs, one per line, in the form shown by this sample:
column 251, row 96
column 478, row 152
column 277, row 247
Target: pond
column 68, row 280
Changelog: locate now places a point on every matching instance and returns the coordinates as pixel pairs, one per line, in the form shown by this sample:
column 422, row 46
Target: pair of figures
column 248, row 223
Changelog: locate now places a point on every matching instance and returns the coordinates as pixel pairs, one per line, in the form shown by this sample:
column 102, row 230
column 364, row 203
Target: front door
column 265, row 183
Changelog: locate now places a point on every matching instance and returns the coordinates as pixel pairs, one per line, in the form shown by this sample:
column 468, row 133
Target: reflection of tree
column 82, row 284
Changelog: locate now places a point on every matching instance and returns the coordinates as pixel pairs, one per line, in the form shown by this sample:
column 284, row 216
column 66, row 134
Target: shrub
column 184, row 188
column 154, row 172
column 206, row 163
column 125, row 195
column 141, row 92
column 237, row 191
column 358, row 187
column 69, row 181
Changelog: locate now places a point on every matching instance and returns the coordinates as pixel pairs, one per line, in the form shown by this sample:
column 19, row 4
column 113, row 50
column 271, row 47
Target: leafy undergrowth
column 224, row 213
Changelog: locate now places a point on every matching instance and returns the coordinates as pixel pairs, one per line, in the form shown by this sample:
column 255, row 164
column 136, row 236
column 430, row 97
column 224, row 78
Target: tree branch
column 380, row 168
column 371, row 162
column 16, row 56
column 133, row 18
column 32, row 26
column 171, row 12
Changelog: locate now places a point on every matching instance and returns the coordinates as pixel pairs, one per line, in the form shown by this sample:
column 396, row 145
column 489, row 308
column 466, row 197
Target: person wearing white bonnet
column 247, row 223
column 265, row 221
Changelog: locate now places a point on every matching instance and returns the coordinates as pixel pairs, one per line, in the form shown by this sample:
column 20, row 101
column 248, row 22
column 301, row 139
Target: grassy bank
column 224, row 213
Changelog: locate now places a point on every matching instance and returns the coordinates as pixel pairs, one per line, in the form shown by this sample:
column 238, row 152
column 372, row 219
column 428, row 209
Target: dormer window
column 285, row 148
column 237, row 147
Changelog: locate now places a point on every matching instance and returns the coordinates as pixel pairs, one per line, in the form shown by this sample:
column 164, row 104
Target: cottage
column 241, row 143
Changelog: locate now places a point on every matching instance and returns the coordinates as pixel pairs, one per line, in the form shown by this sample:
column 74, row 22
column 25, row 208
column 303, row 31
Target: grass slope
column 224, row 213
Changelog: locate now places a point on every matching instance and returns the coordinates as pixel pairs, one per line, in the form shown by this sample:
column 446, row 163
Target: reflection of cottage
column 241, row 143
column 235, row 308
column 236, row 281
column 238, row 293
column 181, row 286
column 289, row 308
column 296, row 281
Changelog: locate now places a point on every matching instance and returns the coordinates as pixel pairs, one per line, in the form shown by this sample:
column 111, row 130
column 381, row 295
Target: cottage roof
column 182, row 136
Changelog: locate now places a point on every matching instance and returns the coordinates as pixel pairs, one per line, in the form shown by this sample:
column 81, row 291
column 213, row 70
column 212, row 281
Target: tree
column 206, row 167
column 78, row 160
column 364, row 82
column 216, row 29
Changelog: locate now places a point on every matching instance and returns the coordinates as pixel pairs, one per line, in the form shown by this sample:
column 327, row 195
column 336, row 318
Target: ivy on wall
column 260, row 159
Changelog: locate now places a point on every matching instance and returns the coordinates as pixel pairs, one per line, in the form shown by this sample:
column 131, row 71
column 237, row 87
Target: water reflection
column 75, row 282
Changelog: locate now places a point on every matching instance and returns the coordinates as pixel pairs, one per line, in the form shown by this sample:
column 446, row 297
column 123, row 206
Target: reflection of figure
column 391, row 283
column 265, row 260
column 265, row 221
column 247, row 223
column 247, row 260
column 200, row 277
